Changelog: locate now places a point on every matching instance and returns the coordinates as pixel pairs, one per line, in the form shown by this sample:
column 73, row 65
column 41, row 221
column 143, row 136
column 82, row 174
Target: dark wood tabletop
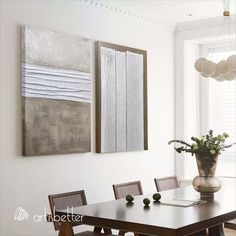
column 163, row 220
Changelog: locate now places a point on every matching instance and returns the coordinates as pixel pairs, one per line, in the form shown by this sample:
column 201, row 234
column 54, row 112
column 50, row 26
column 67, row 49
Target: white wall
column 26, row 181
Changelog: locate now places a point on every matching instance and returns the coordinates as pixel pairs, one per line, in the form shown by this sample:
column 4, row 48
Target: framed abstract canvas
column 56, row 88
column 121, row 98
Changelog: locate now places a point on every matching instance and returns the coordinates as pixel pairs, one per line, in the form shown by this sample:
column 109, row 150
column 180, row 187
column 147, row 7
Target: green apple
column 156, row 196
column 129, row 198
column 146, row 201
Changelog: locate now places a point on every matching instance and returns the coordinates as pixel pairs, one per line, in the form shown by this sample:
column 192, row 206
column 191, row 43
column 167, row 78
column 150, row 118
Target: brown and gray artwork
column 56, row 87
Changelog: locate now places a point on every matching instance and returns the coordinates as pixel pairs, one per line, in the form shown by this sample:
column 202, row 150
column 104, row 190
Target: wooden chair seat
column 230, row 224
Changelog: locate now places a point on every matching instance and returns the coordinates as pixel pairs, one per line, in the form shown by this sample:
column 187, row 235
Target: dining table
column 167, row 217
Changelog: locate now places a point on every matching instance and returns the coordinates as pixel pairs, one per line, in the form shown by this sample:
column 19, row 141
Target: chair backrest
column 66, row 200
column 121, row 190
column 166, row 183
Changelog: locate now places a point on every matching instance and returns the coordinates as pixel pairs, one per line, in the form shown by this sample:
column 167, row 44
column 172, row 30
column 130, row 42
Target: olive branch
column 206, row 145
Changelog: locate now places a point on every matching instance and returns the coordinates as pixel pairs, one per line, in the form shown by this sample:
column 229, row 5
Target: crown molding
column 205, row 23
column 128, row 12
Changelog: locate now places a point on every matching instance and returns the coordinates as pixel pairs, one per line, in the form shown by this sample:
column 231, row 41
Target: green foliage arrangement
column 207, row 145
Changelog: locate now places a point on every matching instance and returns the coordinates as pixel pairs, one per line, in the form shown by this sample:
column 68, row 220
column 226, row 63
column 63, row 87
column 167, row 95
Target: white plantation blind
column 211, row 106
column 222, row 115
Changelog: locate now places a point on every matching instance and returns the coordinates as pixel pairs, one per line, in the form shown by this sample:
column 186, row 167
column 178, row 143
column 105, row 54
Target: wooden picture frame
column 127, row 57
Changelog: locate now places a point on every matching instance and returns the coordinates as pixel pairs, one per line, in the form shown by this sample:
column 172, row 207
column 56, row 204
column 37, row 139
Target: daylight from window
column 222, row 115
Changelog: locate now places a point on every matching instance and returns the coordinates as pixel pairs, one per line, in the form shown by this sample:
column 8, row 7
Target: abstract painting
column 121, row 98
column 56, row 87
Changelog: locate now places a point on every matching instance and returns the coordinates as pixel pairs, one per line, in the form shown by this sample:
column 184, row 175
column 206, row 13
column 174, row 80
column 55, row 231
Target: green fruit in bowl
column 129, row 198
column 146, row 201
column 156, row 196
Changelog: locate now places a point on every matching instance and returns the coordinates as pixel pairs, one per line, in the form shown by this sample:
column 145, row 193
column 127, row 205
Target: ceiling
column 176, row 11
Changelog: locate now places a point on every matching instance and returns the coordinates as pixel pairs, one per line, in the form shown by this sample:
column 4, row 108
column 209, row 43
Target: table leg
column 66, row 229
column 216, row 231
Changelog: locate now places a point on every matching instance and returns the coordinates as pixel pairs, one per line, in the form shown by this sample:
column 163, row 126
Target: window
column 199, row 106
column 215, row 109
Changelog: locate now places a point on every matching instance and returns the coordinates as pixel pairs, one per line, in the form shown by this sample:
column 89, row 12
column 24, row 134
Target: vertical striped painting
column 56, row 87
column 121, row 98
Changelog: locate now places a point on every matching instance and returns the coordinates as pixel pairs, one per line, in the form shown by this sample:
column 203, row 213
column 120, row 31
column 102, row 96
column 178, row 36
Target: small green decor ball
column 146, row 201
column 129, row 198
column 156, row 196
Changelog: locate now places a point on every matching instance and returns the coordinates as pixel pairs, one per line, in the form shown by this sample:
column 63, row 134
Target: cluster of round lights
column 224, row 70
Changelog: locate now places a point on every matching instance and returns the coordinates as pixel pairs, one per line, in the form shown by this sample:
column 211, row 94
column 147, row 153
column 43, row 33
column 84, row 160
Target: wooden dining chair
column 68, row 200
column 166, row 183
column 230, row 224
column 122, row 190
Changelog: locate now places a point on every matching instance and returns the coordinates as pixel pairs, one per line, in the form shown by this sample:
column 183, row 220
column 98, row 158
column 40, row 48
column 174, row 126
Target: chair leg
column 107, row 230
column 97, row 229
column 66, row 229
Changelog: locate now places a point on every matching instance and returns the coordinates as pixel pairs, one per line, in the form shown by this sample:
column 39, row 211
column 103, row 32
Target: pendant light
column 225, row 69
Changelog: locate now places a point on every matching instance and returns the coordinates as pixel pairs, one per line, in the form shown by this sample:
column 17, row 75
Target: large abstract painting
column 56, row 81
column 121, row 96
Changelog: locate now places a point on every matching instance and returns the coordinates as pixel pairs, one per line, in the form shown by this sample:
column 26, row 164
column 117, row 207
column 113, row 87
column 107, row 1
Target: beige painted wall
column 26, row 181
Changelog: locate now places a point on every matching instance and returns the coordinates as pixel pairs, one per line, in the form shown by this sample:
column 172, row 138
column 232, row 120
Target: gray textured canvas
column 56, row 87
column 56, row 49
column 135, row 123
column 108, row 102
column 122, row 101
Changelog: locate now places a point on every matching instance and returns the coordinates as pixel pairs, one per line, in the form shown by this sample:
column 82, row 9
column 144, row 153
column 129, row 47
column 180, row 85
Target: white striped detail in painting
column 54, row 83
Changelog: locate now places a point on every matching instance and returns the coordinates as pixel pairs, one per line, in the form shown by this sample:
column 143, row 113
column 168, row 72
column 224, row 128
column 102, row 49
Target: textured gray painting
column 122, row 104
column 56, row 87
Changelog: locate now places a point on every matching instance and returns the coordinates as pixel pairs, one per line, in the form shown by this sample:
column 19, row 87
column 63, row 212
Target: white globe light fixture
column 231, row 61
column 208, row 68
column 222, row 68
column 225, row 70
column 198, row 64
